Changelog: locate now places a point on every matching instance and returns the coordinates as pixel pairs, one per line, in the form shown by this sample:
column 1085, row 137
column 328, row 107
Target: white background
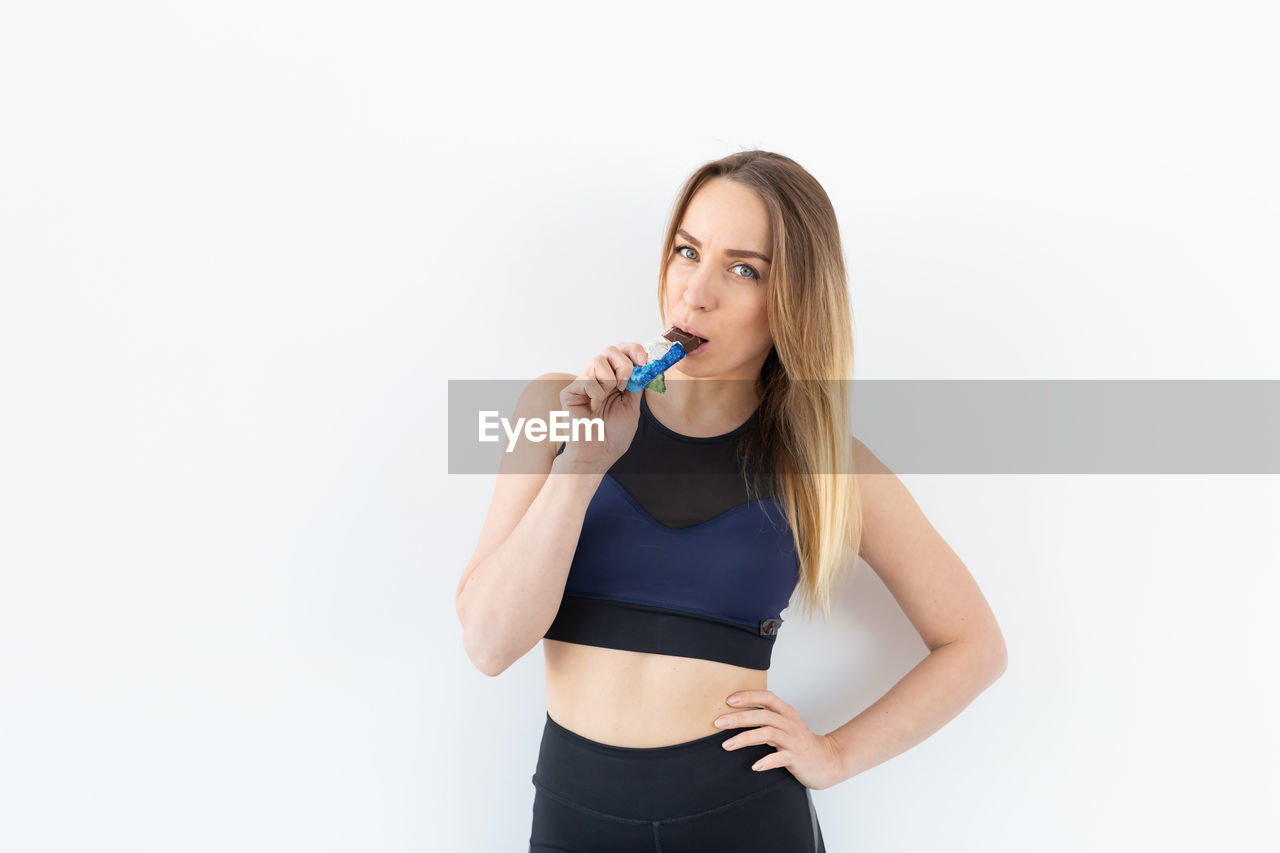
column 243, row 245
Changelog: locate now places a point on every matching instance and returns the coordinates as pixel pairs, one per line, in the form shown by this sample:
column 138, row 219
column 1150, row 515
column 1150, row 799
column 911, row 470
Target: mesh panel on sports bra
column 682, row 480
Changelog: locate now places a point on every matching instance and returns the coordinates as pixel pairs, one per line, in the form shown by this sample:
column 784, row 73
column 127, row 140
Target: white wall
column 241, row 244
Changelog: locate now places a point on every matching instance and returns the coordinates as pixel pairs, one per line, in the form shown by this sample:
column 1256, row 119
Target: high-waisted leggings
column 690, row 797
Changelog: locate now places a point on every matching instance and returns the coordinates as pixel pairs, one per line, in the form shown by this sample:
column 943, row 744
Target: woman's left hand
column 812, row 758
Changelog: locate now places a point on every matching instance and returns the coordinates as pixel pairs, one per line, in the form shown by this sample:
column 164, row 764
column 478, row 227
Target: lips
column 689, row 330
column 689, row 341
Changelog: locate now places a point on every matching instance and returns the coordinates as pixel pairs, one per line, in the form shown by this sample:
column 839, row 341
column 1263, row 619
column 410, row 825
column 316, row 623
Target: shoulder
column 542, row 394
column 885, row 503
column 882, row 494
column 866, row 462
column 538, row 399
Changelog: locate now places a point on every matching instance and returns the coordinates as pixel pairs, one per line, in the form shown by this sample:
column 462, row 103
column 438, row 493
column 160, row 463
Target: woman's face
column 716, row 280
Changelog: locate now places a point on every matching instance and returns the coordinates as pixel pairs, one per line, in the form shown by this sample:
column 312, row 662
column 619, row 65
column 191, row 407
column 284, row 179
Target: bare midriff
column 636, row 699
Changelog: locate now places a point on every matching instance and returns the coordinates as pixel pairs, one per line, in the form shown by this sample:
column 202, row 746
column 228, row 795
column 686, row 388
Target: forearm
column 512, row 596
column 923, row 701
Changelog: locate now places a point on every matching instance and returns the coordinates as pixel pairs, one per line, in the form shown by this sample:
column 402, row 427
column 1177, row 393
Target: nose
column 698, row 289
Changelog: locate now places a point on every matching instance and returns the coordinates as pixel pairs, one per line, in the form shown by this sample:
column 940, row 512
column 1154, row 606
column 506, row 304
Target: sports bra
column 676, row 558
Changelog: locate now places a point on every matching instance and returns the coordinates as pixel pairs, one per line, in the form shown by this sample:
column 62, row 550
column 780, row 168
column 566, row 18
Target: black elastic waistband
column 650, row 783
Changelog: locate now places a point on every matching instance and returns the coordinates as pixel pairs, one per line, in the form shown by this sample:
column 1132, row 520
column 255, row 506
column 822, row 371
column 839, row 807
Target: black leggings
column 592, row 797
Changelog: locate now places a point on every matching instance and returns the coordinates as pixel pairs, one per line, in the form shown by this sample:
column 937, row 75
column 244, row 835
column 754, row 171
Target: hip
column 693, row 795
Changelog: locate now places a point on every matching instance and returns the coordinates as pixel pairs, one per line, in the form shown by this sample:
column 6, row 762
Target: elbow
column 990, row 650
column 987, row 655
column 482, row 655
column 484, row 660
column 478, row 656
column 490, row 651
column 490, row 667
column 998, row 655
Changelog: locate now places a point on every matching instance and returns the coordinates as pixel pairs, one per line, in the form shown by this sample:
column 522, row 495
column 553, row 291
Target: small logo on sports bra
column 769, row 627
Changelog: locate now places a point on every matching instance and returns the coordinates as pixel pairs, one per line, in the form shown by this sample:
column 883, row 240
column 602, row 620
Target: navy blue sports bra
column 676, row 558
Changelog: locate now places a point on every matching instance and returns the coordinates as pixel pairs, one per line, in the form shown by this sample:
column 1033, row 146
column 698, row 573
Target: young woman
column 653, row 564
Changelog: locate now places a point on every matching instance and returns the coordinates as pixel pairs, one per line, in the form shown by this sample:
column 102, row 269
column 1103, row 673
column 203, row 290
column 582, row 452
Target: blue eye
column 755, row 276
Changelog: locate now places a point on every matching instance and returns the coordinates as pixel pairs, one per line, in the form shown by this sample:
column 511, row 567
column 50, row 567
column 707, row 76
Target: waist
column 638, row 699
column 641, row 785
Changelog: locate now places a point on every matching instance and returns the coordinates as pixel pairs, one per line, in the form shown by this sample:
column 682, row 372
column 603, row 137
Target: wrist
column 582, row 469
column 842, row 756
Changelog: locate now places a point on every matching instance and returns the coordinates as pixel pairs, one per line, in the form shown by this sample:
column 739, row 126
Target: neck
column 705, row 406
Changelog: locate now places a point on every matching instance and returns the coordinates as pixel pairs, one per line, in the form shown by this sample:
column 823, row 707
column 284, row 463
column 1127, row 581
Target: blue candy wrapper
column 643, row 374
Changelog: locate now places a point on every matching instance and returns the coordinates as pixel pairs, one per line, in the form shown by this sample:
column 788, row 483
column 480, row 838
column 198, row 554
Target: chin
column 687, row 368
column 705, row 371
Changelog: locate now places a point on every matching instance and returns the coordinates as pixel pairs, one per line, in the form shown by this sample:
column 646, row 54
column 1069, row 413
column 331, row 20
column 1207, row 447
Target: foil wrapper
column 662, row 354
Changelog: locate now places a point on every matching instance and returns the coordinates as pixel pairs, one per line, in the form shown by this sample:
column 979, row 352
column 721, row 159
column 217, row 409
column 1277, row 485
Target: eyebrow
column 733, row 253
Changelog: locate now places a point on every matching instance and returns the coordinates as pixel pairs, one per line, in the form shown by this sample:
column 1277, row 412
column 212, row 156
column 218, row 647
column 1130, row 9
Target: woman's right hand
column 600, row 391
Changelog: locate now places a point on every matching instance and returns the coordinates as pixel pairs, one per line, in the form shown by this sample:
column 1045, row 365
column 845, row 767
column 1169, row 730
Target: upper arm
column 514, row 492
column 930, row 583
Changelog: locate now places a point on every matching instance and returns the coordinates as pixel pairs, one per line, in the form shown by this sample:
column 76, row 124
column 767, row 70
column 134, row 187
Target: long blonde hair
column 803, row 433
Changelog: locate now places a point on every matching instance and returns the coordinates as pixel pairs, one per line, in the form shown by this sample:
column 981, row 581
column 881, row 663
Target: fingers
column 575, row 394
column 615, row 365
column 599, row 379
column 753, row 737
column 741, row 719
column 602, row 380
column 611, row 369
column 757, row 698
column 605, row 374
column 596, row 384
column 635, row 351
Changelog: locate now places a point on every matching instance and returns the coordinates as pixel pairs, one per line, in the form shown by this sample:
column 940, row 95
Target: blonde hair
column 803, row 433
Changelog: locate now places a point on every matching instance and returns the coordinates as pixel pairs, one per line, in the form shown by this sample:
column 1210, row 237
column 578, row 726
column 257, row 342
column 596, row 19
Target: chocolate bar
column 686, row 340
column 663, row 352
